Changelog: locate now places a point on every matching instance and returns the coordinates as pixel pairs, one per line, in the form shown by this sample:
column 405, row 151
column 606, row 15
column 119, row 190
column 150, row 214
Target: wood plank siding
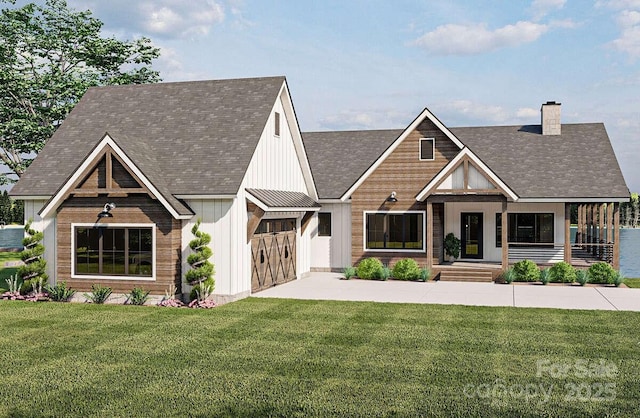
column 403, row 172
column 138, row 209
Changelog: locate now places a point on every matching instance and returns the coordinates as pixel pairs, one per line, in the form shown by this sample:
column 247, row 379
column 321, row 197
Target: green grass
column 632, row 283
column 261, row 357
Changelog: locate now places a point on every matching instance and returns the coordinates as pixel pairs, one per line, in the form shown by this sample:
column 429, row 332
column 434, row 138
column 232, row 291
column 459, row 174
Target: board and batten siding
column 48, row 228
column 332, row 252
column 216, row 220
column 131, row 210
column 403, row 172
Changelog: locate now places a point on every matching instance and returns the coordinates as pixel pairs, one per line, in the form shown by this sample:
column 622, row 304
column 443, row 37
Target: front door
column 471, row 235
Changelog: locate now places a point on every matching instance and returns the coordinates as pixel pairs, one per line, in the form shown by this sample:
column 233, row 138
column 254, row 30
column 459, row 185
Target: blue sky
column 376, row 64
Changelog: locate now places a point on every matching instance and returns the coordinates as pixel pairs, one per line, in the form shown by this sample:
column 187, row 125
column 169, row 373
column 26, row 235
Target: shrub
column 582, row 277
column 452, row 245
column 602, row 273
column 370, row 268
column 60, row 292
column 386, row 273
column 34, row 269
column 618, row 279
column 406, row 269
column 202, row 270
column 169, row 299
column 202, row 287
column 425, row 274
column 99, row 294
column 202, row 300
column 508, row 275
column 545, row 276
column 563, row 273
column 349, row 272
column 138, row 296
column 526, row 271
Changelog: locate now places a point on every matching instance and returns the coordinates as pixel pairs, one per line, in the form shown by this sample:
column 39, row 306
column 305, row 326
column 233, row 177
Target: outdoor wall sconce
column 392, row 197
column 106, row 212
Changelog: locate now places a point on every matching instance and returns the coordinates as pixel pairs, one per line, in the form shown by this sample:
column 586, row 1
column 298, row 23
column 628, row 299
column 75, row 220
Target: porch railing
column 539, row 253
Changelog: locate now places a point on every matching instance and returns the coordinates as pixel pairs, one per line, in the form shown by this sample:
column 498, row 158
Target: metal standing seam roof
column 283, row 199
column 187, row 137
column 579, row 163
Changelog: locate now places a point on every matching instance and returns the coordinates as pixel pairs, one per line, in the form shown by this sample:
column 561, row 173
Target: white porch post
column 567, row 233
column 505, row 244
column 429, row 235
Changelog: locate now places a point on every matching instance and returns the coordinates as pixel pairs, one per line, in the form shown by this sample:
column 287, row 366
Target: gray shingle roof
column 338, row 159
column 579, row 163
column 283, row 199
column 187, row 138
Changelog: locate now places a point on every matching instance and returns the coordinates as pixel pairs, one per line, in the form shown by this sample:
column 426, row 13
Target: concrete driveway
column 329, row 286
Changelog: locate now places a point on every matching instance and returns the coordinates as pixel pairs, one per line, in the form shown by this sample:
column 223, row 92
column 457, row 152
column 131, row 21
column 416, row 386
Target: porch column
column 616, row 240
column 567, row 233
column 584, row 225
column 579, row 230
column 601, row 240
column 505, row 244
column 610, row 223
column 429, row 235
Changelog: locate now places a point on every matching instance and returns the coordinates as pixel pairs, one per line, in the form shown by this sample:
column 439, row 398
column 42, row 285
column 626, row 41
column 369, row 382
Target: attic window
column 427, row 149
column 276, row 122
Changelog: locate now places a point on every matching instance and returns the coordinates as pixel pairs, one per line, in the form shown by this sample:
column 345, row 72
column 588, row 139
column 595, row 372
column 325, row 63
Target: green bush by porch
column 370, row 269
column 601, row 273
column 406, row 269
column 526, row 271
column 562, row 273
column 308, row 358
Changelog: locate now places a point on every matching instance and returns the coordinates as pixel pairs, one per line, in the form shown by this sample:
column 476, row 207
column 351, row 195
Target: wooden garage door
column 273, row 254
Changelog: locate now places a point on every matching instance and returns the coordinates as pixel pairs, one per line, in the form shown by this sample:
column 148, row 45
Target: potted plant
column 451, row 246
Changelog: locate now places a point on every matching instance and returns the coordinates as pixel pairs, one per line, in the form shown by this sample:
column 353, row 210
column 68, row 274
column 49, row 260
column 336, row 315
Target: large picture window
column 527, row 228
column 113, row 251
column 394, row 231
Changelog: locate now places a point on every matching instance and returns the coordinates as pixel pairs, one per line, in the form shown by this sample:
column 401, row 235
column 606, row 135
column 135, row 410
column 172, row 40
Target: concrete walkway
column 329, row 286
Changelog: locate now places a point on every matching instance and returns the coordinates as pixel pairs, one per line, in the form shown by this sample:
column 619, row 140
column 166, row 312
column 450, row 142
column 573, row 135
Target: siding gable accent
column 426, row 114
column 466, row 159
column 107, row 146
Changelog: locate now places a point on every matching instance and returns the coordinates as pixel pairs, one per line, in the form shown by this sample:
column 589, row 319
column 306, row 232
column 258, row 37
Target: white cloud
column 527, row 113
column 629, row 39
column 540, row 8
column 367, row 119
column 454, row 39
column 157, row 18
column 619, row 4
column 486, row 114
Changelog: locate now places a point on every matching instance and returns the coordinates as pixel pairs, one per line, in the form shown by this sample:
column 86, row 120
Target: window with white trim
column 394, row 231
column 526, row 228
column 276, row 122
column 113, row 251
column 427, row 149
column 324, row 224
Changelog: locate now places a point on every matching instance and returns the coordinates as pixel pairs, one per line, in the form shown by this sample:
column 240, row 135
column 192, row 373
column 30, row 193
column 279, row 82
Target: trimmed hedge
column 406, row 269
column 602, row 273
column 562, row 273
column 370, row 269
column 526, row 271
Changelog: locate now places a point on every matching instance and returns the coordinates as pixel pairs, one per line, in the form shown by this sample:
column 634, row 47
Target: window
column 527, row 228
column 427, row 149
column 276, row 122
column 324, row 224
column 272, row 226
column 113, row 251
column 394, row 231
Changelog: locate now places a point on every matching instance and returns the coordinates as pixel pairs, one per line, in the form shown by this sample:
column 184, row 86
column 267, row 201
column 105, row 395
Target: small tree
column 34, row 268
column 200, row 276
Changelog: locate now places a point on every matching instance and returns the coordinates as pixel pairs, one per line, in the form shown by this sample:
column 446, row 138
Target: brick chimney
column 550, row 113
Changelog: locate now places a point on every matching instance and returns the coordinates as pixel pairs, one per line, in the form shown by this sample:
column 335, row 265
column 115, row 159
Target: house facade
column 120, row 185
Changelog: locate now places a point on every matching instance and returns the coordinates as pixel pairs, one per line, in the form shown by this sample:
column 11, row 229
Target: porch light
column 392, row 197
column 106, row 211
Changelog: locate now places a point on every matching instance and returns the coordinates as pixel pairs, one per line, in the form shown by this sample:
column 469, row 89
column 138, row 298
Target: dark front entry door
column 471, row 235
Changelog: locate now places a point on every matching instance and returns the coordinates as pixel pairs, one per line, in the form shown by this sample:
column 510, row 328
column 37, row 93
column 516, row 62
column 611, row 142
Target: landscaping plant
column 601, row 273
column 582, row 277
column 14, row 289
column 202, row 270
column 452, row 245
column 563, row 272
column 508, row 275
column 60, row 292
column 138, row 296
column 618, row 279
column 407, row 269
column 526, row 271
column 169, row 299
column 35, row 265
column 203, row 292
column 370, row 269
column 386, row 273
column 349, row 272
column 99, row 294
column 545, row 276
column 37, row 294
column 425, row 274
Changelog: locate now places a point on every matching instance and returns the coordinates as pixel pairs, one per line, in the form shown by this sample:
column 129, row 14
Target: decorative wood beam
column 255, row 217
column 430, row 236
column 610, row 222
column 567, row 233
column 116, row 191
column 305, row 221
column 505, row 238
column 466, row 174
column 109, row 170
column 616, row 242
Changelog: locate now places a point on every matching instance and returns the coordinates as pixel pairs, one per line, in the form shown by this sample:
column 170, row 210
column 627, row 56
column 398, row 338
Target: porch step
column 466, row 275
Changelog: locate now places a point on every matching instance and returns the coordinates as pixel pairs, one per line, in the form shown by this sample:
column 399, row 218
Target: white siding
column 335, row 251
column 216, row 216
column 453, row 210
column 48, row 228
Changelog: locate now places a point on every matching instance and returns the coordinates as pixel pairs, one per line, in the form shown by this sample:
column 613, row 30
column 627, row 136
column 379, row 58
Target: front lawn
column 632, row 283
column 261, row 357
